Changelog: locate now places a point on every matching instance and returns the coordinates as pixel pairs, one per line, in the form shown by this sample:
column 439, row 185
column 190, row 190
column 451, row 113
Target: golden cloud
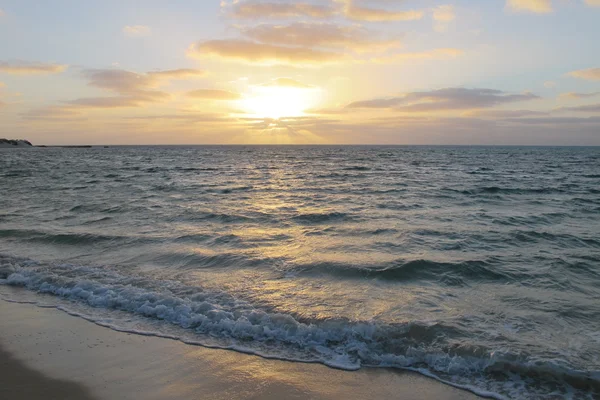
column 110, row 102
column 213, row 94
column 261, row 53
column 443, row 15
column 533, row 6
column 315, row 34
column 30, row 68
column 357, row 13
column 591, row 74
column 593, row 3
column 182, row 73
column 257, row 10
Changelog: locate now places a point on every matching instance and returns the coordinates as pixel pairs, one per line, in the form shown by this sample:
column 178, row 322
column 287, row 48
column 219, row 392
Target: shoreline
column 57, row 351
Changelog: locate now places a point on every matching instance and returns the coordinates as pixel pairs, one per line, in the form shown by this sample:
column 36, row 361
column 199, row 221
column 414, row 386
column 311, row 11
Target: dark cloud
column 133, row 89
column 445, row 99
column 504, row 113
column 52, row 113
column 552, row 121
column 573, row 95
column 590, row 108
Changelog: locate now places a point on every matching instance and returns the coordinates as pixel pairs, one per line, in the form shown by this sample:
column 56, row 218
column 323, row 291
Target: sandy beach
column 47, row 354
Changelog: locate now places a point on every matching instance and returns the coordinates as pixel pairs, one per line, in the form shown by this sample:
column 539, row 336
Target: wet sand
column 48, row 354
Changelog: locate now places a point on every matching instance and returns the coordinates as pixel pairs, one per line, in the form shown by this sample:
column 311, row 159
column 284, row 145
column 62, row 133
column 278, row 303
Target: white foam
column 239, row 326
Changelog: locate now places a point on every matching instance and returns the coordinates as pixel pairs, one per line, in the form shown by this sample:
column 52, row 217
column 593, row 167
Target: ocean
column 476, row 266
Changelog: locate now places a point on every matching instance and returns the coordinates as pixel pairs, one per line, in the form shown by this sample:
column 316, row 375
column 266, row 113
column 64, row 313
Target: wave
column 448, row 273
column 563, row 240
column 60, row 238
column 207, row 317
column 506, row 190
column 357, row 168
column 321, row 218
column 531, row 220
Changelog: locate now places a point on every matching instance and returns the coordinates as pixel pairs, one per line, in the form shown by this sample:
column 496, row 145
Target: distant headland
column 15, row 143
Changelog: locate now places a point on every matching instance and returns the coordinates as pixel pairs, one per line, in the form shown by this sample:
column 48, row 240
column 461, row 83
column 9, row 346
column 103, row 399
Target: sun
column 279, row 102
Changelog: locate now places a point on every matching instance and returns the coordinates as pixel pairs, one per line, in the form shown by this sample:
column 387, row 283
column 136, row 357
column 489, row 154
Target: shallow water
column 477, row 265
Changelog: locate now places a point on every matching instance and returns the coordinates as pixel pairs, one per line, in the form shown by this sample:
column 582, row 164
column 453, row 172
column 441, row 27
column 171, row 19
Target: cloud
column 573, row 95
column 593, row 3
column 2, row 13
column 212, row 94
column 119, row 80
column 52, row 113
column 590, row 108
column 501, row 114
column 328, row 111
column 287, row 83
column 109, row 102
column 552, row 121
column 260, row 53
column 137, row 30
column 186, row 118
column 532, row 6
column 2, row 104
column 443, row 15
column 127, row 82
column 591, row 74
column 377, row 15
column 423, row 55
column 133, row 89
column 264, row 10
column 549, row 84
column 182, row 73
column 445, row 100
column 30, row 68
column 315, row 34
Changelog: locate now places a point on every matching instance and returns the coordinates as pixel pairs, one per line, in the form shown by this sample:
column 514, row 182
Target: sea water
column 478, row 266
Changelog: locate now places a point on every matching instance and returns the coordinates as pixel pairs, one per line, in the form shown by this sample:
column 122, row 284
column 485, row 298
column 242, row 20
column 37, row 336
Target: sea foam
column 217, row 319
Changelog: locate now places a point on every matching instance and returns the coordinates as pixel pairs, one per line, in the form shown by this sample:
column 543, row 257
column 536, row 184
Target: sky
column 476, row 72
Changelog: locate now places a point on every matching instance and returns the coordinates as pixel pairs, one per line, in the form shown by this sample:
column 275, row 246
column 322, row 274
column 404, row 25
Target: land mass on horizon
column 15, row 143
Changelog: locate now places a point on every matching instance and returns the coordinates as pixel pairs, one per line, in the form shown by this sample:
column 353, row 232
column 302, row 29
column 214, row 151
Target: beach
column 48, row 354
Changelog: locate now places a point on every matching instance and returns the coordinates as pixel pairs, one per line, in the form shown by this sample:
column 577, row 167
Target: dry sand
column 47, row 354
